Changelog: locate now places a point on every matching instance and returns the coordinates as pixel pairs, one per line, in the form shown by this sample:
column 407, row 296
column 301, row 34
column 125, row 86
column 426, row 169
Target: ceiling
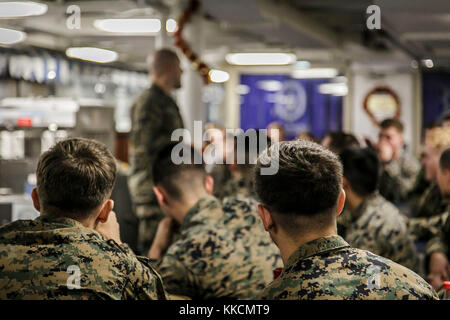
column 321, row 31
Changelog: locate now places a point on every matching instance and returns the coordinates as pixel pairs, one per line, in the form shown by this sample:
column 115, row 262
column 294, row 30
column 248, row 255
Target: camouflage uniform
column 154, row 116
column 431, row 203
column 223, row 252
column 379, row 227
column 328, row 268
column 35, row 256
column 399, row 178
column 440, row 242
column 242, row 186
column 426, row 228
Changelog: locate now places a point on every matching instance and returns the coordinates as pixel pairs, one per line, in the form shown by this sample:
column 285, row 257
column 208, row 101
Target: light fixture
column 260, row 59
column 428, row 63
column 270, row 85
column 9, row 36
column 314, row 73
column 302, row 64
column 129, row 25
column 92, row 54
column 219, row 76
column 51, row 75
column 171, row 25
column 336, row 89
column 15, row 9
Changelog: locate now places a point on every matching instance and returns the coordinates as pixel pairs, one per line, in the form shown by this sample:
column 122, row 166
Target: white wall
column 402, row 84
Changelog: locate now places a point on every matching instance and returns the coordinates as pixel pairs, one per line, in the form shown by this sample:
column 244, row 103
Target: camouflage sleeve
column 426, row 227
column 404, row 173
column 178, row 279
column 148, row 121
column 144, row 282
column 440, row 241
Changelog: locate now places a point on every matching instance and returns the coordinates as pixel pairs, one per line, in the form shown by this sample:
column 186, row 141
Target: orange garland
column 202, row 68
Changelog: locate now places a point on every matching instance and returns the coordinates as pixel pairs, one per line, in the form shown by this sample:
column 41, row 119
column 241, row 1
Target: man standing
column 300, row 216
column 400, row 169
column 73, row 250
column 154, row 116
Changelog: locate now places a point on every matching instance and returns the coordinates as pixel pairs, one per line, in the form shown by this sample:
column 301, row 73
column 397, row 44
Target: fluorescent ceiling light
column 302, row 64
column 171, row 25
column 336, row 89
column 219, row 76
column 9, row 36
column 129, row 25
column 260, row 59
column 92, row 54
column 315, row 73
column 15, row 9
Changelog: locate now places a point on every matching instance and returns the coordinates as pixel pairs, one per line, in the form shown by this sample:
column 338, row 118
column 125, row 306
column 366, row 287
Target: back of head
column 338, row 141
column 176, row 170
column 308, row 182
column 392, row 123
column 361, row 169
column 438, row 138
column 163, row 59
column 75, row 177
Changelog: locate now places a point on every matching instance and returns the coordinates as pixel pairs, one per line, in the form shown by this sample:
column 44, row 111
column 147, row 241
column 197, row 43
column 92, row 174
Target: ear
column 341, row 203
column 105, row 210
column 209, row 184
column 266, row 217
column 160, row 196
column 35, row 198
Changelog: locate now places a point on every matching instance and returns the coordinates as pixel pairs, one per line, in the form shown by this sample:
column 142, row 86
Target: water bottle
column 446, row 287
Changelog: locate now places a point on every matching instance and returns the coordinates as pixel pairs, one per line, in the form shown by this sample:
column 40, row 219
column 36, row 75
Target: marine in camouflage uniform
column 329, row 268
column 431, row 203
column 154, row 116
column 378, row 226
column 242, row 186
column 399, row 178
column 223, row 252
column 35, row 256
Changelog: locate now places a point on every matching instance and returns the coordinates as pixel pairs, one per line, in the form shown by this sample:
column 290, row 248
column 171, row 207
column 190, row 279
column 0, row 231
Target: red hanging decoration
column 198, row 65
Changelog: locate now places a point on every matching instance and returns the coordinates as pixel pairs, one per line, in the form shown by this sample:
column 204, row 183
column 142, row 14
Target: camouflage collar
column 199, row 212
column 359, row 211
column 316, row 246
column 60, row 221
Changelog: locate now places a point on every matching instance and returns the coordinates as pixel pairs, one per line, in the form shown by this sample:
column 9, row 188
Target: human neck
column 289, row 245
column 187, row 203
column 164, row 85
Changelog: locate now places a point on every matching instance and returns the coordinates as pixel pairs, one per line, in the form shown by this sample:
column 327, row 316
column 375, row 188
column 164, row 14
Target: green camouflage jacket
column 441, row 241
column 378, row 226
column 154, row 117
column 223, row 252
column 59, row 258
column 328, row 268
column 431, row 203
column 242, row 186
column 399, row 178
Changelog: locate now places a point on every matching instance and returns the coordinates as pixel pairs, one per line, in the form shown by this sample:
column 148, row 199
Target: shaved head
column 163, row 60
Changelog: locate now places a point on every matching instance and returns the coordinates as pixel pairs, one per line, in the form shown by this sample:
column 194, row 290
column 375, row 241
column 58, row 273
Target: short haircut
column 162, row 59
column 74, row 177
column 341, row 140
column 307, row 185
column 438, row 138
column 392, row 123
column 178, row 179
column 444, row 160
column 361, row 169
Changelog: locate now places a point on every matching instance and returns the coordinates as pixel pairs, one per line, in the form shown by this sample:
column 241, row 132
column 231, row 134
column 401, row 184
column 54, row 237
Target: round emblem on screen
column 290, row 101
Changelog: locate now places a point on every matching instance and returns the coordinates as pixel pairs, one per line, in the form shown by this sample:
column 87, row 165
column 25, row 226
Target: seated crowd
column 338, row 220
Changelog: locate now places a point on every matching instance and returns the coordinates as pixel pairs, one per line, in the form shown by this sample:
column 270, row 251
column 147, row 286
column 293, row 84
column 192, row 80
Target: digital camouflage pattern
column 440, row 242
column 242, row 186
column 426, row 228
column 328, row 268
column 378, row 226
column 431, row 203
column 36, row 254
column 399, row 178
column 223, row 252
column 154, row 116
